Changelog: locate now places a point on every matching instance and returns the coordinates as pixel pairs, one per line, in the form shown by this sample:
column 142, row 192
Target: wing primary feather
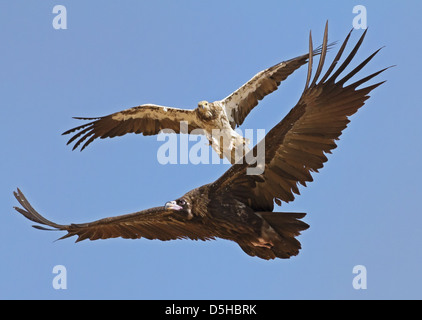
column 85, row 118
column 82, row 139
column 43, row 228
column 318, row 50
column 35, row 216
column 78, row 135
column 310, row 61
column 77, row 128
column 358, row 68
column 88, row 142
column 30, row 213
column 366, row 79
column 322, row 57
column 349, row 58
column 337, row 58
column 372, row 87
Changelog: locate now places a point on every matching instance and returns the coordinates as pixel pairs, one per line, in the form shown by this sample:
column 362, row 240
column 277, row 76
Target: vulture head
column 203, row 104
column 181, row 205
column 204, row 110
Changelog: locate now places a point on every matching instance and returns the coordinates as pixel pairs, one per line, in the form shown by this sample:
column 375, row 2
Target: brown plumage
column 238, row 206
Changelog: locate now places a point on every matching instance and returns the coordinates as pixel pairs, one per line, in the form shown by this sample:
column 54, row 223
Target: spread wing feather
column 154, row 223
column 145, row 119
column 297, row 145
column 240, row 103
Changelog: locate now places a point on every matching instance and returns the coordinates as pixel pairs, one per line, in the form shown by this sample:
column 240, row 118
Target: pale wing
column 145, row 119
column 154, row 223
column 243, row 100
column 297, row 145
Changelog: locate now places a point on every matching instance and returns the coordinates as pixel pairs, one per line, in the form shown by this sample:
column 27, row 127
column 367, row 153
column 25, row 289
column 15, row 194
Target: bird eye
column 181, row 202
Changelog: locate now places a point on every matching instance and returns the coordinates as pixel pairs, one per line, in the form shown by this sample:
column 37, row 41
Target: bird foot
column 262, row 243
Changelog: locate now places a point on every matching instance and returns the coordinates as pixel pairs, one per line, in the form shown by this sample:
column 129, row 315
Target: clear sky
column 362, row 207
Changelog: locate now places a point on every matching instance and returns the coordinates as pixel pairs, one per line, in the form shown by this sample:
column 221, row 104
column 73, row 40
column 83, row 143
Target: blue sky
column 363, row 207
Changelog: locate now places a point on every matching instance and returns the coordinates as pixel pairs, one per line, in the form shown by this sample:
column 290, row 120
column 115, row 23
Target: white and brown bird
column 216, row 120
column 238, row 206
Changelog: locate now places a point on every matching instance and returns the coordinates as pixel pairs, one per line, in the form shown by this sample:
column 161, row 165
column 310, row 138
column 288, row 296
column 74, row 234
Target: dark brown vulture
column 225, row 115
column 239, row 206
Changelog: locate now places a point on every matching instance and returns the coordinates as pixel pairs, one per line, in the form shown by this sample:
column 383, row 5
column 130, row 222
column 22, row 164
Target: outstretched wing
column 297, row 145
column 146, row 119
column 243, row 100
column 154, row 223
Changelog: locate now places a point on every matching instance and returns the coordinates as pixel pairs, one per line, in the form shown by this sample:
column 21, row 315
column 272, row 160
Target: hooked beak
column 171, row 205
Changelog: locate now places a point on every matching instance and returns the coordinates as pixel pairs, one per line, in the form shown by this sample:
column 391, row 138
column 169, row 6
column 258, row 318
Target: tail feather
column 279, row 230
column 286, row 224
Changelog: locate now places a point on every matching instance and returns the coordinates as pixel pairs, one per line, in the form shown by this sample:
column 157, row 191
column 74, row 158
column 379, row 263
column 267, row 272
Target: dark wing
column 243, row 100
column 145, row 119
column 154, row 223
column 296, row 146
